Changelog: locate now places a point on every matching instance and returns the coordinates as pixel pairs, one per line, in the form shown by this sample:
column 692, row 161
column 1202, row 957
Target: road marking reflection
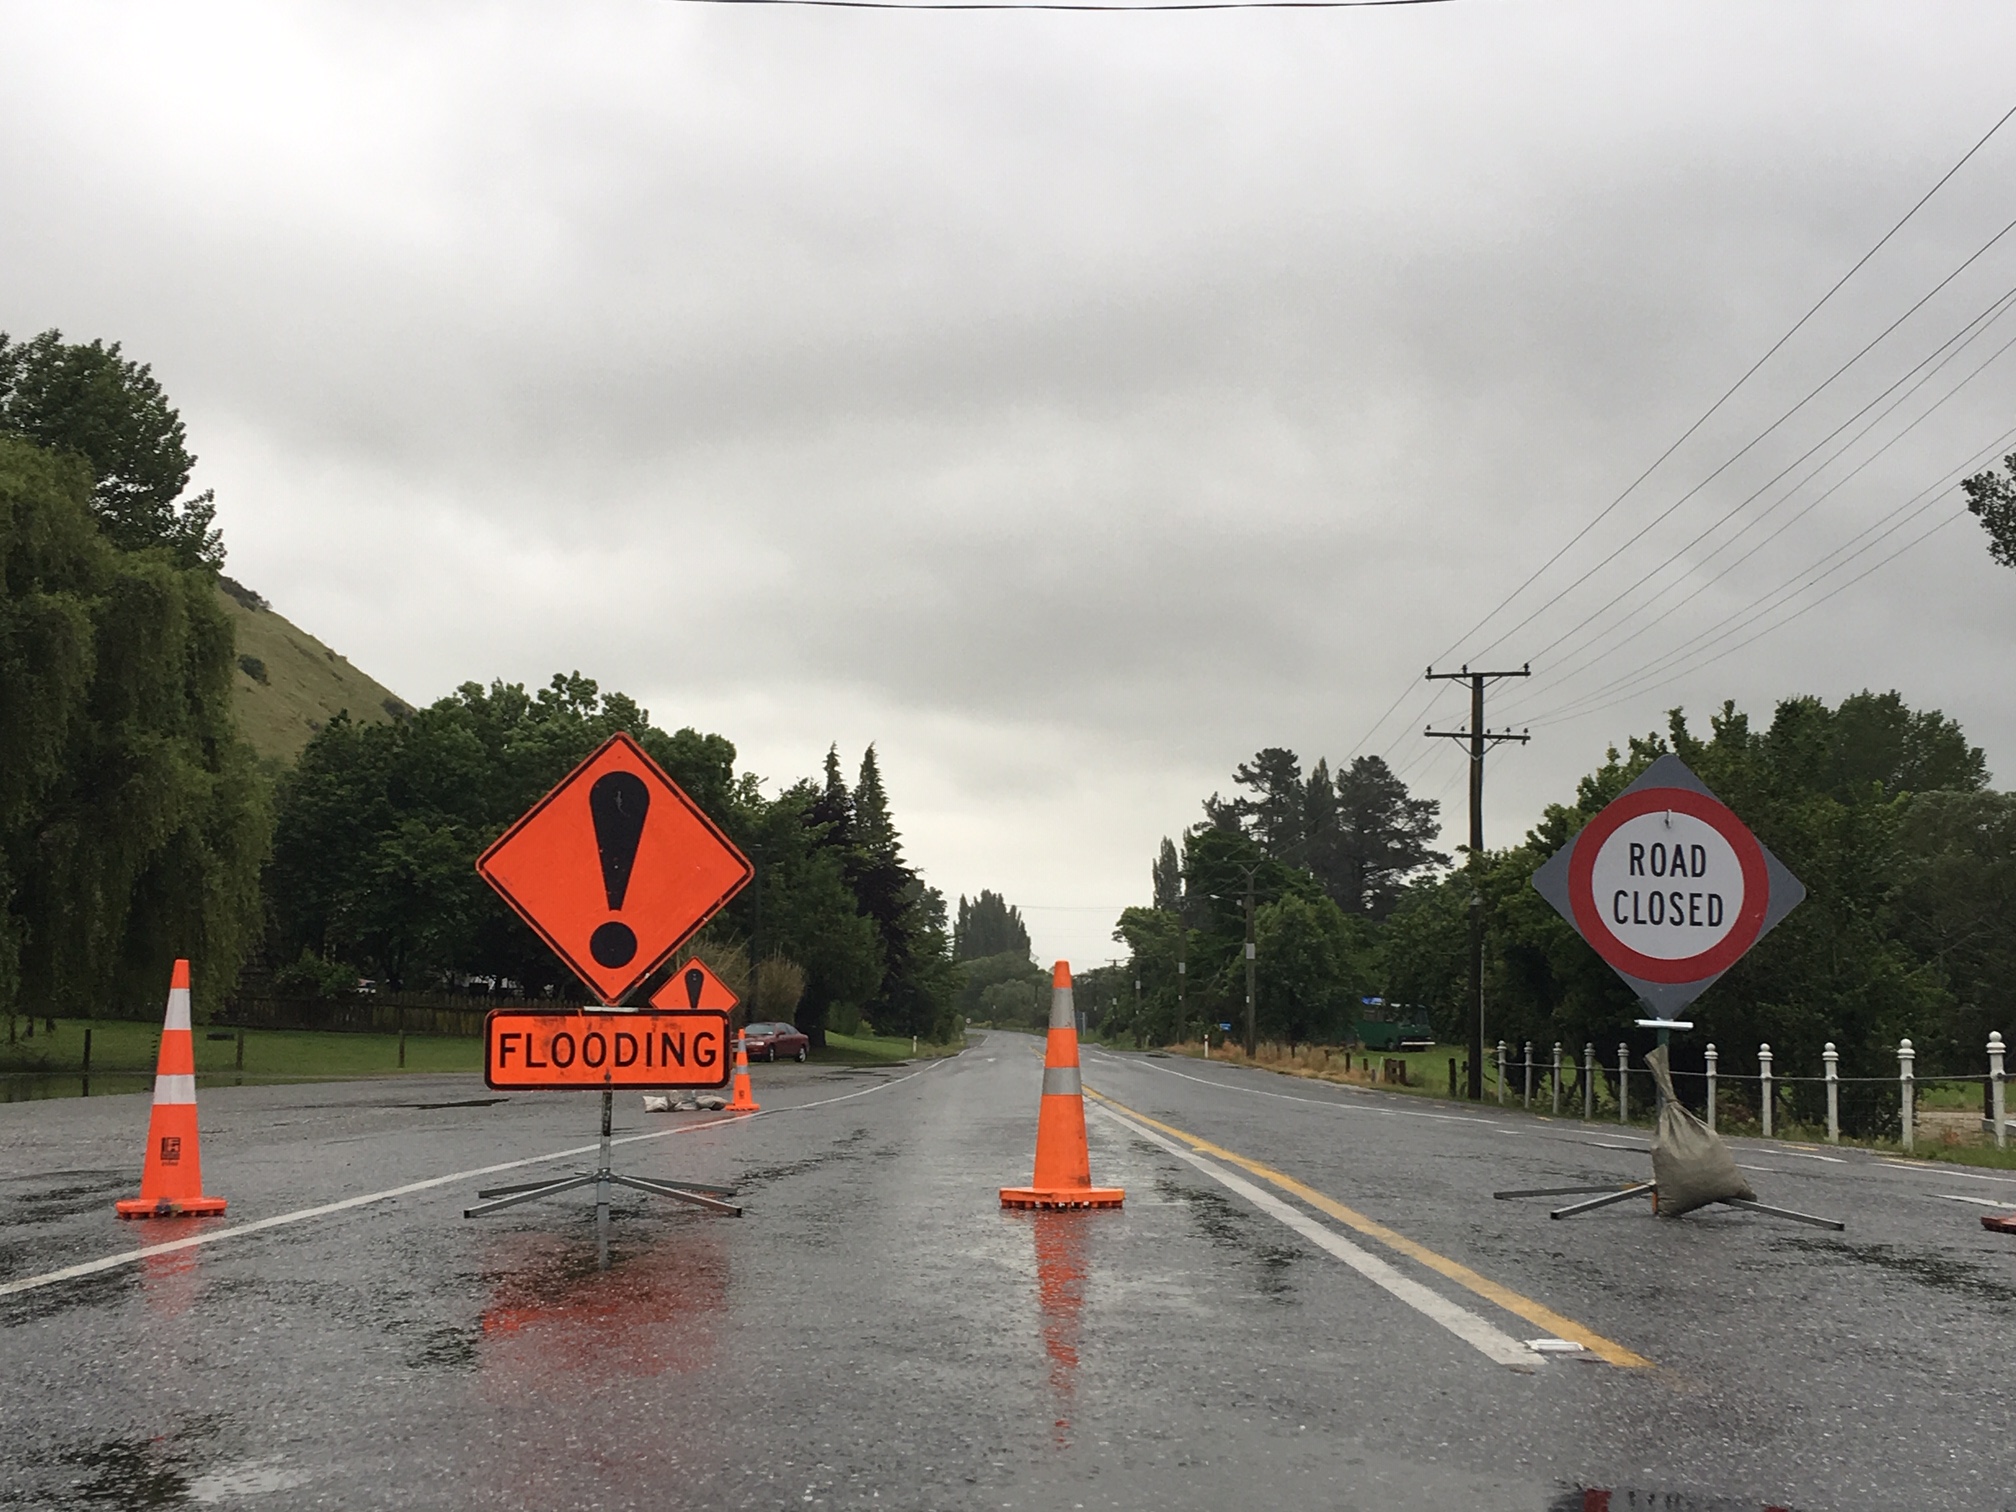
column 1502, row 1296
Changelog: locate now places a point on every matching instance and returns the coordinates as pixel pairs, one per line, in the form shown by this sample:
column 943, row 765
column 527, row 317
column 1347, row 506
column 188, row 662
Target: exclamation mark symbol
column 696, row 980
column 617, row 803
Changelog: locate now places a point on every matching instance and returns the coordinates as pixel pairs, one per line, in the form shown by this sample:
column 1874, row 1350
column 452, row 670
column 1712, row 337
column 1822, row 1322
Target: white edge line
column 1498, row 1347
column 1977, row 1201
column 1944, row 1172
column 302, row 1215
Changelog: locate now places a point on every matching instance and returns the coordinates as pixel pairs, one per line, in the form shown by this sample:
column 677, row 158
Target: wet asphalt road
column 877, row 1333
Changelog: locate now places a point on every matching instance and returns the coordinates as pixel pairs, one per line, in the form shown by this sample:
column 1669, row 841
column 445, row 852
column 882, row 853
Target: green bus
column 1393, row 1026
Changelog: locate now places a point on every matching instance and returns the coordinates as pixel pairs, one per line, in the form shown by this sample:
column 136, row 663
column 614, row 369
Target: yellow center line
column 1513, row 1302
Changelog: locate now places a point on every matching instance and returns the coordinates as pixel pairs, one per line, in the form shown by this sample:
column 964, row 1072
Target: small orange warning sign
column 694, row 985
column 532, row 1051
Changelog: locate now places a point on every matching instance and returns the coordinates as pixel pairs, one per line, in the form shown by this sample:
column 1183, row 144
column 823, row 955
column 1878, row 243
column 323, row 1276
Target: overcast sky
column 1069, row 404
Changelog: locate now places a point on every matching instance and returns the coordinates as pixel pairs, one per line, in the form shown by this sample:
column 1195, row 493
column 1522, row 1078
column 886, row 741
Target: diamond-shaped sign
column 616, row 868
column 694, row 985
column 1668, row 886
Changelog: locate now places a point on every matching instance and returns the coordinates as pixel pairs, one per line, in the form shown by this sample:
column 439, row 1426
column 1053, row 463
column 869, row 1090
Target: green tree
column 989, row 926
column 1313, row 970
column 1991, row 498
column 980, row 976
column 809, row 911
column 90, row 402
column 1955, row 907
column 379, row 826
column 1166, row 877
column 1383, row 838
column 135, row 820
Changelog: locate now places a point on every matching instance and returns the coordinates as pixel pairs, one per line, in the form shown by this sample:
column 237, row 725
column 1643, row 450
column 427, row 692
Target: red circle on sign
column 1718, row 816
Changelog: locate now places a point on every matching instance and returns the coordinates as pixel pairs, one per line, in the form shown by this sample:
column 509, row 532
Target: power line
column 1785, row 592
column 1728, row 394
column 1994, row 311
column 1979, row 325
column 1910, row 545
column 1671, row 662
column 1705, row 416
column 1754, row 441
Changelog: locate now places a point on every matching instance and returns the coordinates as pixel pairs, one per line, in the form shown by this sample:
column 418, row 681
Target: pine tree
column 1167, row 877
column 833, row 809
column 989, row 926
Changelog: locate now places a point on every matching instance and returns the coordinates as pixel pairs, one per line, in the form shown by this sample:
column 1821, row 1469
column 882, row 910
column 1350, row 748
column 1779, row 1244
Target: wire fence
column 1763, row 1098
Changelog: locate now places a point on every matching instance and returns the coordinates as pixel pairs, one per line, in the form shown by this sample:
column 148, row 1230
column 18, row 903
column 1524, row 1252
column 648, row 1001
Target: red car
column 776, row 1042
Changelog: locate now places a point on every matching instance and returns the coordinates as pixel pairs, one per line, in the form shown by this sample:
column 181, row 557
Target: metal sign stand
column 1614, row 1195
column 699, row 1193
column 1611, row 1196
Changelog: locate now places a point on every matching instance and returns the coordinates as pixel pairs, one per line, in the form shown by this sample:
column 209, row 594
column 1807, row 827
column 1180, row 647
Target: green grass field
column 864, row 1049
column 123, row 1056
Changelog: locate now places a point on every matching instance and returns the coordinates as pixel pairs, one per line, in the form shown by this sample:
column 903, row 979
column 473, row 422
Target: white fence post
column 1712, row 1059
column 1764, row 1097
column 1623, row 1082
column 1557, row 1078
column 1907, row 1092
column 1831, row 1058
column 1501, row 1073
column 1997, row 1090
column 1526, row 1100
column 1588, row 1082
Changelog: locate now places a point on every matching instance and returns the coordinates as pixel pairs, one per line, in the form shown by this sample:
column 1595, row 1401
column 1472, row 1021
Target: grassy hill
column 289, row 684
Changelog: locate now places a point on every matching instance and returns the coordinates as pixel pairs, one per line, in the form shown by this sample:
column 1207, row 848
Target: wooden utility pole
column 1480, row 739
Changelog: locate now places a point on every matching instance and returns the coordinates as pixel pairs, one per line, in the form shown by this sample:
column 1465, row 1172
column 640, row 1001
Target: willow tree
column 132, row 818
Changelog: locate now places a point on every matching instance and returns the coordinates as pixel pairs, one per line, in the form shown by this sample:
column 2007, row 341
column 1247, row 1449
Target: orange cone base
column 1062, row 1197
column 169, row 1207
column 742, row 1102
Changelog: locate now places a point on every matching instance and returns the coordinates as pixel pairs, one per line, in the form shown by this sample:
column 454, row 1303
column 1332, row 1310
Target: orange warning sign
column 616, row 868
column 694, row 985
column 532, row 1051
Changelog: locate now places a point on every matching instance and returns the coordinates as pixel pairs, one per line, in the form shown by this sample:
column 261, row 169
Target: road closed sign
column 532, row 1051
column 1668, row 886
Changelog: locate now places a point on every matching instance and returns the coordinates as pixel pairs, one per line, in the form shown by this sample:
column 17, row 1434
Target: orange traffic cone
column 1063, row 1164
column 171, row 1186
column 744, row 1100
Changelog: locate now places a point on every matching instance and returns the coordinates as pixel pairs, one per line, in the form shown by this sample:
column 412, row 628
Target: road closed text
column 586, row 1050
column 1667, row 884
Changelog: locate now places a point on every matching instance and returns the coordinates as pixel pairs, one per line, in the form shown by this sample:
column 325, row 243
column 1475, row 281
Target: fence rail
column 372, row 1015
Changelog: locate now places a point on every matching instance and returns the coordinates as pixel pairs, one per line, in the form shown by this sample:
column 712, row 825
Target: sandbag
column 1691, row 1166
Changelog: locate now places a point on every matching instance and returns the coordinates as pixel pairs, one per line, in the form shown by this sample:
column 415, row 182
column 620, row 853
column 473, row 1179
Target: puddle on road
column 1229, row 1226
column 1935, row 1272
column 1636, row 1499
column 140, row 1472
column 557, row 1327
column 1060, row 1241
column 169, row 1282
column 73, row 1194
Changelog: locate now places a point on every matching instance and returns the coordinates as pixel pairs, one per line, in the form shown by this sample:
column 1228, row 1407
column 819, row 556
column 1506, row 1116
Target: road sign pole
column 602, row 1183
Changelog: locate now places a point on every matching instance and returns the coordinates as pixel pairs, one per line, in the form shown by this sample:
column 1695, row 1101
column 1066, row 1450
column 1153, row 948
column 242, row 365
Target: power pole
column 1481, row 738
column 1252, row 1041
